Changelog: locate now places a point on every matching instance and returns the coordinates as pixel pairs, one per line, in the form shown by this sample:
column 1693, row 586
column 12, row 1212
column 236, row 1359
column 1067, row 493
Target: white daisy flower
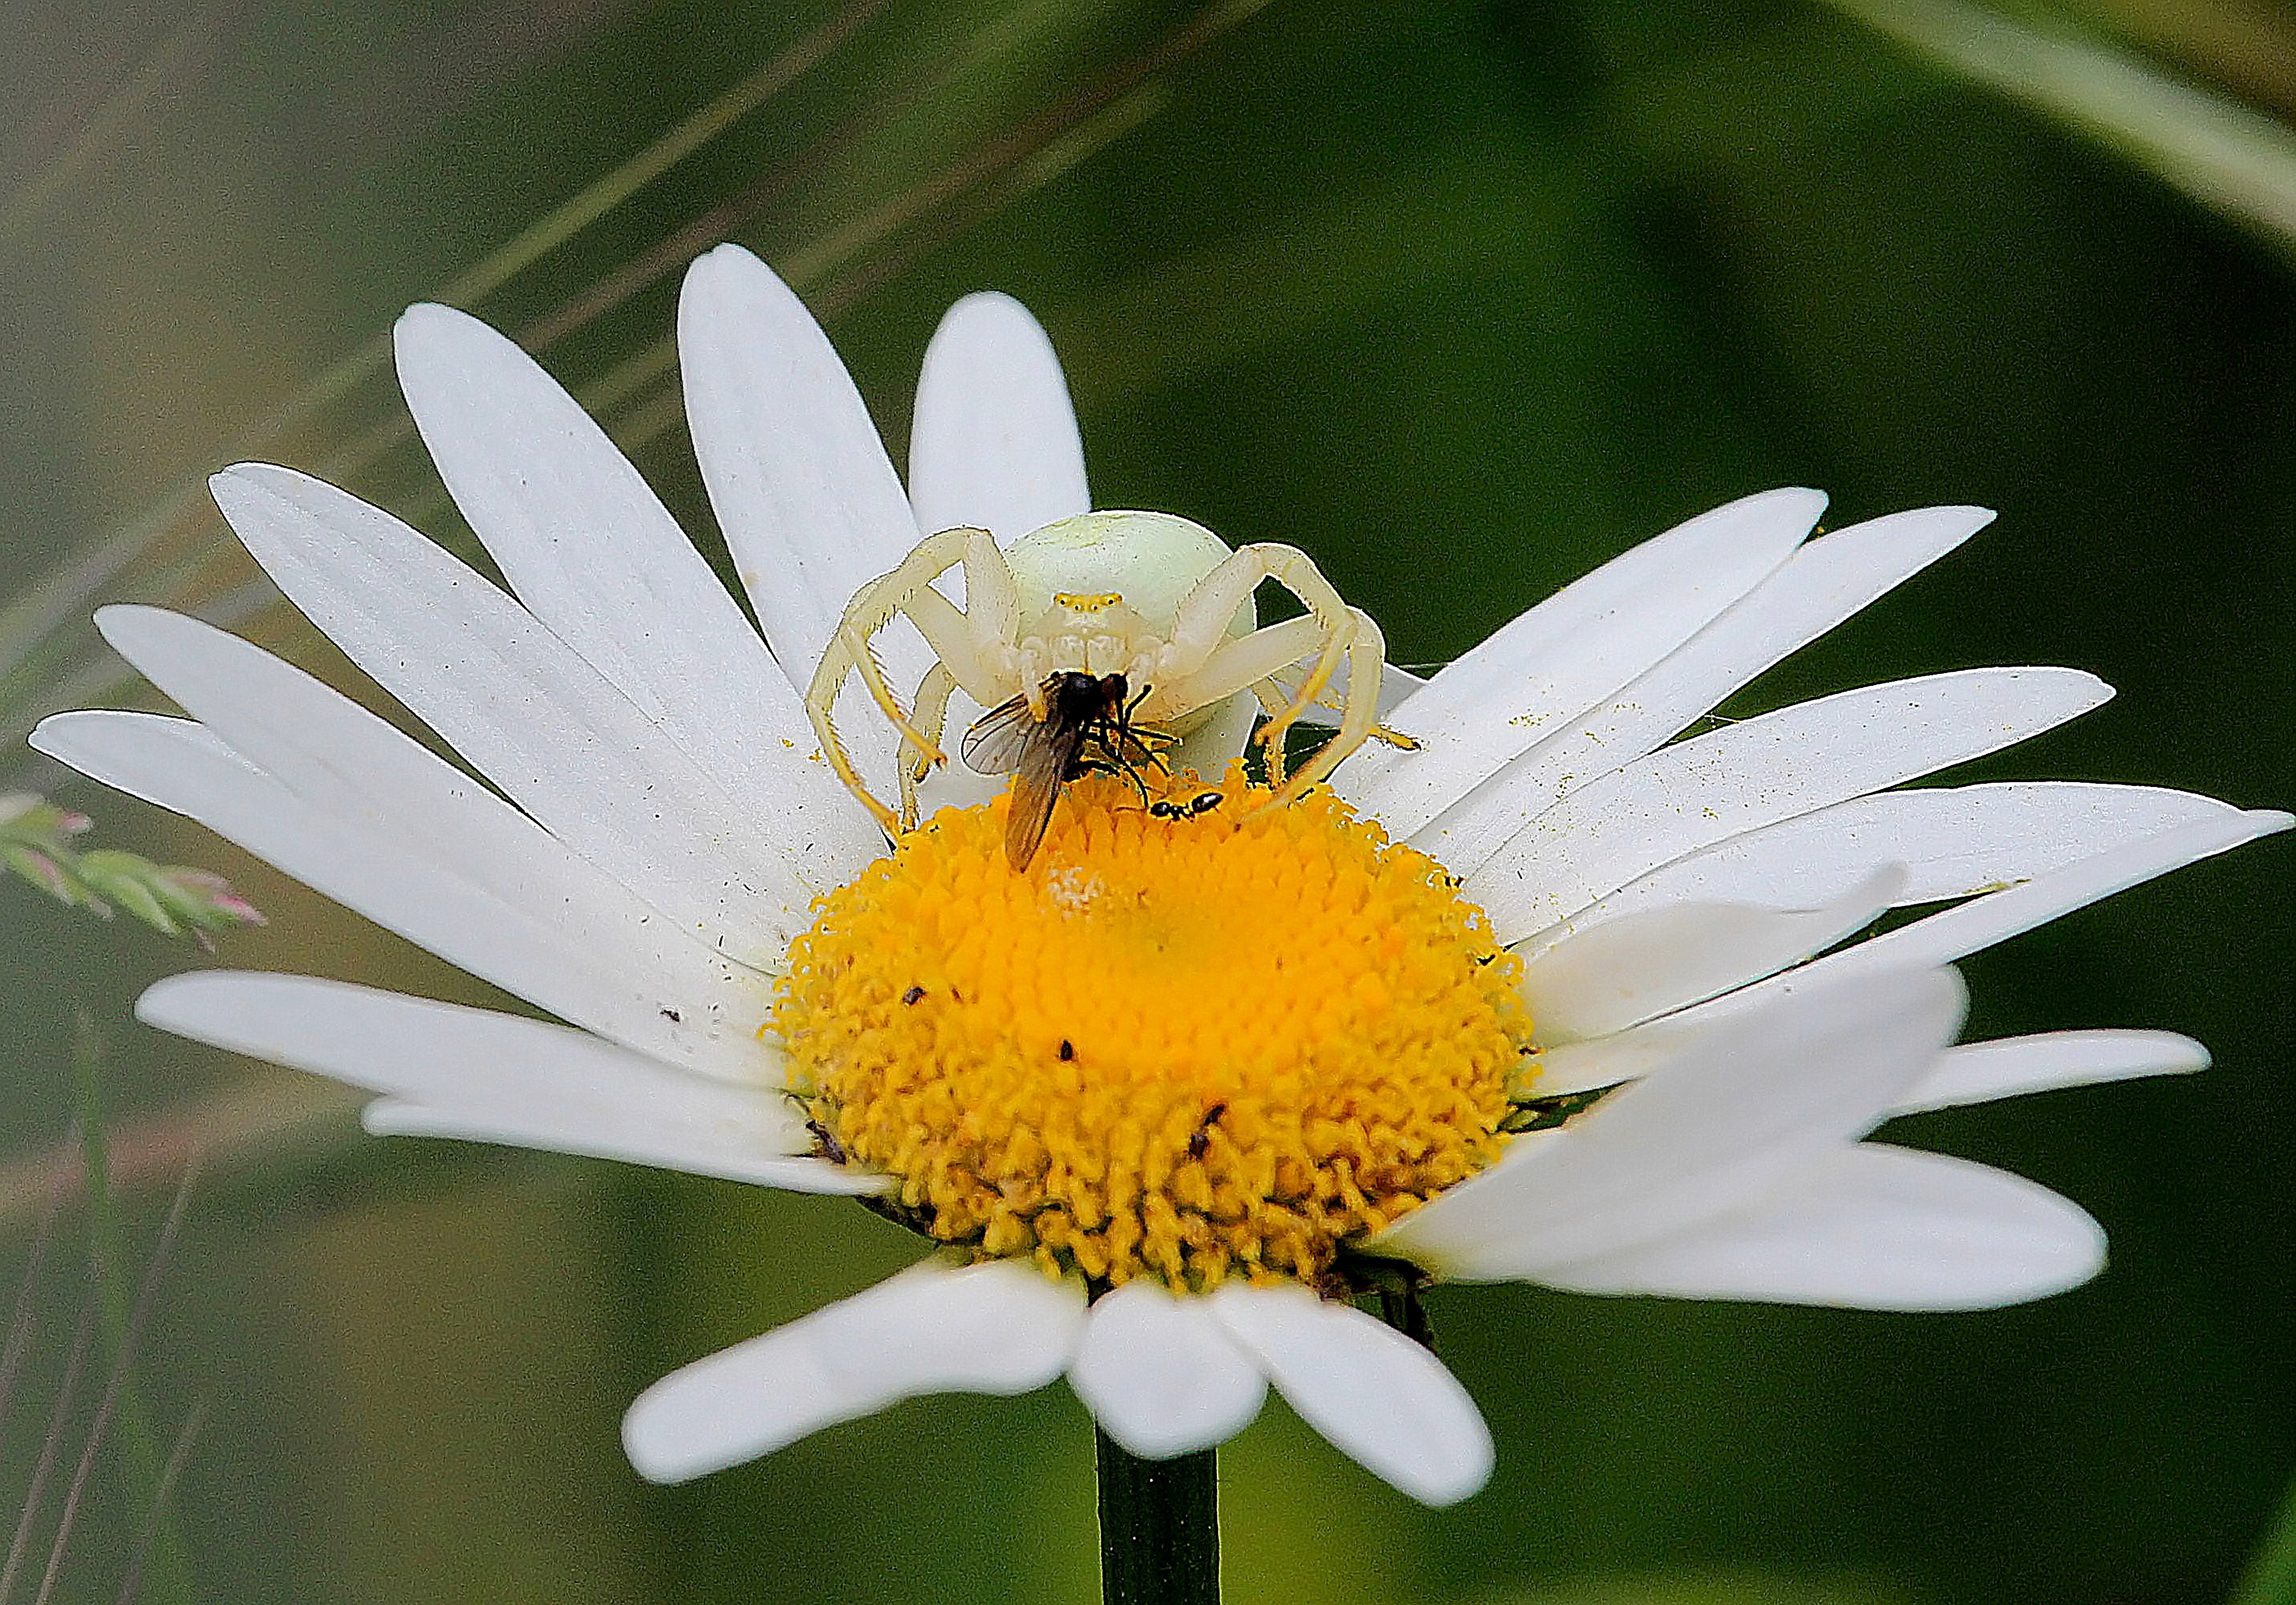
column 1541, row 999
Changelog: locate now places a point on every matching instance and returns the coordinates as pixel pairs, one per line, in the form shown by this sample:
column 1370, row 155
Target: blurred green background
column 1464, row 298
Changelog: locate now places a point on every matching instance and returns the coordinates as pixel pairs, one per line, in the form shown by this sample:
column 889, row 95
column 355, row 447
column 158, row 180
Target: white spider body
column 1147, row 596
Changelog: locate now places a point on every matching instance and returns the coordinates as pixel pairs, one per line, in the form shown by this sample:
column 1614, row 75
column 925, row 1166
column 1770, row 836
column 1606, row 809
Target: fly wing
column 1000, row 738
column 1045, row 763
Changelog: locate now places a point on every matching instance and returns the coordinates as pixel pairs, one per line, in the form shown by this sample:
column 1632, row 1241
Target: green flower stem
column 1158, row 1528
column 162, row 1546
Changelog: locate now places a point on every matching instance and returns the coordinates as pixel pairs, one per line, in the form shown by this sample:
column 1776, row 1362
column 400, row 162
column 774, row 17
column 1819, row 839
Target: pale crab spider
column 1157, row 599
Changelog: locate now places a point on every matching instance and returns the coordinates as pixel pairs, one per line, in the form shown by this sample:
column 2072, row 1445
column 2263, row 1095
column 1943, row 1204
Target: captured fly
column 1088, row 726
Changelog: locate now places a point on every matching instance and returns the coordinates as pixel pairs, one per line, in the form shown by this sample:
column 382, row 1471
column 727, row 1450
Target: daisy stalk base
column 1158, row 1528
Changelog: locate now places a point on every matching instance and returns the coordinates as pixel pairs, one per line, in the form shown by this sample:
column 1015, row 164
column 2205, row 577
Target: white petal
column 1996, row 917
column 1954, row 841
column 1758, row 772
column 1607, row 977
column 594, row 555
column 347, row 764
column 1871, row 1227
column 590, row 1139
column 800, row 479
column 1740, row 1106
column 1579, row 646
column 178, row 764
column 1973, row 1073
column 536, row 719
column 1373, row 1392
column 1601, row 1061
column 1161, row 1375
column 994, row 442
column 1978, row 1071
column 473, row 1073
column 1940, row 939
column 999, row 1328
column 1821, row 585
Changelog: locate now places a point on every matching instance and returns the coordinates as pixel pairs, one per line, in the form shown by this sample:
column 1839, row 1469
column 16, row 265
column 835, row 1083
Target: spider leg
column 931, row 715
column 828, row 679
column 1287, row 682
column 907, row 590
column 1326, row 665
column 1233, row 664
column 968, row 646
column 1272, row 702
column 1367, row 654
column 1334, row 631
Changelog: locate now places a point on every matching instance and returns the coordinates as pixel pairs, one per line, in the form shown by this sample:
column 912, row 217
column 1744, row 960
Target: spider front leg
column 1280, row 689
column 972, row 646
column 1273, row 698
column 1367, row 647
column 1367, row 654
column 1211, row 666
column 930, row 715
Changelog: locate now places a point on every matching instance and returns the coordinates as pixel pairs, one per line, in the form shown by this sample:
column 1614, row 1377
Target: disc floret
column 1197, row 1040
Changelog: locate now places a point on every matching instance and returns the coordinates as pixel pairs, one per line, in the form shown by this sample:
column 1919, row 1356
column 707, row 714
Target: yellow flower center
column 1199, row 1037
